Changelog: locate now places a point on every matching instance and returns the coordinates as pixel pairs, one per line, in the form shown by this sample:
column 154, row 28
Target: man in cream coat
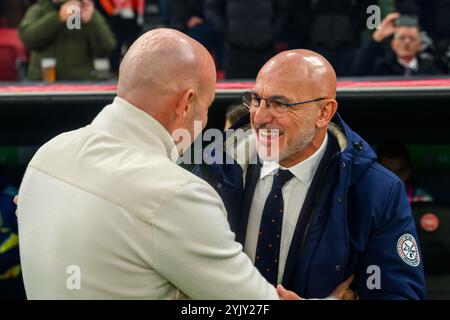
column 107, row 203
column 106, row 213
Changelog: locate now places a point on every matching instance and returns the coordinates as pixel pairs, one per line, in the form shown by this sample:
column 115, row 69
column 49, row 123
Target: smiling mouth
column 267, row 135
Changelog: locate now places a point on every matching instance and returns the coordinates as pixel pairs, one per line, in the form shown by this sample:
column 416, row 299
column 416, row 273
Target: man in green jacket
column 50, row 30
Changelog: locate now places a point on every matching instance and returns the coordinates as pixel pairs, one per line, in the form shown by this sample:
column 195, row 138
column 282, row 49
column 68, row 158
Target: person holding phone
column 403, row 56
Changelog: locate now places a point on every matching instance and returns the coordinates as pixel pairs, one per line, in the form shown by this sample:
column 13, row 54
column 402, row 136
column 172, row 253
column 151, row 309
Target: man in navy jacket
column 343, row 213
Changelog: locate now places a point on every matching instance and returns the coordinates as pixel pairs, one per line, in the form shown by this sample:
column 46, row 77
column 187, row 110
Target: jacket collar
column 126, row 122
column 356, row 151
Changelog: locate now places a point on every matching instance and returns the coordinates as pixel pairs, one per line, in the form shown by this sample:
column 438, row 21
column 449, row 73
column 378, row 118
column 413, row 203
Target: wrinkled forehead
column 292, row 80
column 280, row 87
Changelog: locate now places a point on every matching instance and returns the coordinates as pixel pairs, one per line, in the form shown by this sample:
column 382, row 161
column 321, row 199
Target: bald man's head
column 288, row 79
column 305, row 71
column 171, row 77
column 162, row 64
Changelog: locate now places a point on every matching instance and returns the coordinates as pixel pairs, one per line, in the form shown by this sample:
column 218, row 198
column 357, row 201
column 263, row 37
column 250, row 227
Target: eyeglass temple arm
column 304, row 102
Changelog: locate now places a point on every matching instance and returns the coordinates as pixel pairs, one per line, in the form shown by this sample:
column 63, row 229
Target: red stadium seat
column 12, row 54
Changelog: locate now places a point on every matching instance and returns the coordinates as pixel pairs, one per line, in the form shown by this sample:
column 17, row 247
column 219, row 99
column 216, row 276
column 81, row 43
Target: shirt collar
column 303, row 171
column 413, row 64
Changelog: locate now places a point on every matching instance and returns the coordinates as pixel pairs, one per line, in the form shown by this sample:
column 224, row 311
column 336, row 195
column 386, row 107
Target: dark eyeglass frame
column 255, row 96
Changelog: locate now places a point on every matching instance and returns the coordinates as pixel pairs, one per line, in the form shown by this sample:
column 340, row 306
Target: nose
column 262, row 114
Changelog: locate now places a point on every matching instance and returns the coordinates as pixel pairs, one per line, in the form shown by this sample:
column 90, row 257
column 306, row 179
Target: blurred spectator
column 13, row 56
column 433, row 15
column 403, row 58
column 234, row 113
column 249, row 28
column 418, row 13
column 397, row 158
column 126, row 18
column 188, row 17
column 332, row 28
column 435, row 19
column 45, row 33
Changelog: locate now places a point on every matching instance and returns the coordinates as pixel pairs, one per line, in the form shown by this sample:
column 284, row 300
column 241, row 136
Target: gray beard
column 300, row 144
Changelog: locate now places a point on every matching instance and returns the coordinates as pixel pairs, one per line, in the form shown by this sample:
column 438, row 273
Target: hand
column 286, row 294
column 66, row 11
column 87, row 11
column 194, row 21
column 343, row 292
column 387, row 27
column 16, row 202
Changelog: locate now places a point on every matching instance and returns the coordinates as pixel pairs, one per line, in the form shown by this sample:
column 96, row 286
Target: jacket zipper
column 316, row 202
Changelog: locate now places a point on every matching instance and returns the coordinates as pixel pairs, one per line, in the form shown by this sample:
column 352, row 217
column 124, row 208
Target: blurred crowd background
column 412, row 39
column 40, row 41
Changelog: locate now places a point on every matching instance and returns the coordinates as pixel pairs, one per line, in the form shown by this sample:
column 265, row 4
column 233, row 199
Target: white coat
column 105, row 214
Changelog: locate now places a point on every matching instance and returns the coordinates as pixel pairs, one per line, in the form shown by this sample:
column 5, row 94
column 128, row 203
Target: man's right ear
column 327, row 112
column 185, row 104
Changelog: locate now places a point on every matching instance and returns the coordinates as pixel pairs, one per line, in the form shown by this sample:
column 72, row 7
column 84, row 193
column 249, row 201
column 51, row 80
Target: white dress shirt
column 413, row 64
column 294, row 193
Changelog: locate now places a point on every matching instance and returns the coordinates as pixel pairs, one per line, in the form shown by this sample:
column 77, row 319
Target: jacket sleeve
column 195, row 249
column 101, row 38
column 39, row 27
column 215, row 14
column 393, row 248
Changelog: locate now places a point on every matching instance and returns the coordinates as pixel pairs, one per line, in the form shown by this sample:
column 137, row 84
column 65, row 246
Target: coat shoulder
column 136, row 179
column 377, row 177
column 376, row 192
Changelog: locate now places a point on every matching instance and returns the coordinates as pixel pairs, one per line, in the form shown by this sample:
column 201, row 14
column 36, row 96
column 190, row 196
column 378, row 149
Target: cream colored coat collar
column 123, row 120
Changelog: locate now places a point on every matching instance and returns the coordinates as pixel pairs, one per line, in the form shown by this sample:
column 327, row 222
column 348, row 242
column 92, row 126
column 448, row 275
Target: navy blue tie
column 268, row 248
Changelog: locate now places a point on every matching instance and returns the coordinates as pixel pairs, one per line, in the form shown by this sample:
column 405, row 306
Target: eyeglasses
column 404, row 38
column 276, row 107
